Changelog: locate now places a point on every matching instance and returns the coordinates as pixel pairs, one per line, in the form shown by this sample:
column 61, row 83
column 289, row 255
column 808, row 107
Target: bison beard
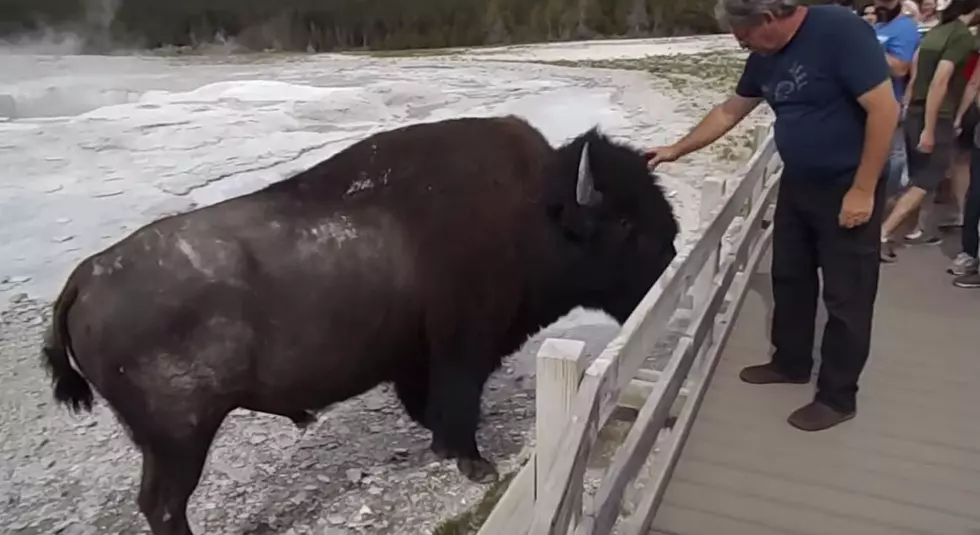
column 420, row 256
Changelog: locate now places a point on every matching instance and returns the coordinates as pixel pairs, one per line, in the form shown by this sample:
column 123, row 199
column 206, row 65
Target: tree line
column 331, row 25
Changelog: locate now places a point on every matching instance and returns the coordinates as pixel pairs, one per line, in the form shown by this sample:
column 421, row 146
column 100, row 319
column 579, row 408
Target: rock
column 107, row 193
column 374, row 404
column 336, row 519
column 354, row 475
column 74, row 528
column 17, row 298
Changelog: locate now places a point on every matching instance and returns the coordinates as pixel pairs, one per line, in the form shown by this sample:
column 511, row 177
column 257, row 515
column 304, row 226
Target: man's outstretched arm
column 717, row 123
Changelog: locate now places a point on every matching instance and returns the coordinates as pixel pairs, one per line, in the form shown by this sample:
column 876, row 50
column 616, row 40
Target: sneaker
column 968, row 280
column 888, row 252
column 767, row 374
column 917, row 237
column 816, row 416
column 963, row 264
column 952, row 221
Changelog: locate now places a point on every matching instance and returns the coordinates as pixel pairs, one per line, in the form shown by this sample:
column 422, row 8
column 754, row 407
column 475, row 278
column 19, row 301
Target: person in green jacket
column 931, row 102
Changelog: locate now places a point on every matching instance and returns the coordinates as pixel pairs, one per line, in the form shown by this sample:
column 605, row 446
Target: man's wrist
column 859, row 185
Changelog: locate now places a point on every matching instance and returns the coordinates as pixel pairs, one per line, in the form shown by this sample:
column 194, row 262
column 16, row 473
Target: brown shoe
column 766, row 374
column 817, row 416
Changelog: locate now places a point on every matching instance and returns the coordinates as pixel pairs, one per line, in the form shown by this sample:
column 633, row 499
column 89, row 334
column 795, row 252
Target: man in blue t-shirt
column 822, row 71
column 899, row 35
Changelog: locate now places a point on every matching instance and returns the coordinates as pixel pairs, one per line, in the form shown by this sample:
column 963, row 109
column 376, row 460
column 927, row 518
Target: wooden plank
column 512, row 513
column 630, row 456
column 926, row 468
column 860, row 508
column 747, row 508
column 679, row 520
column 615, row 366
column 843, row 471
column 881, row 419
column 635, row 394
column 665, row 463
column 560, row 364
column 904, row 465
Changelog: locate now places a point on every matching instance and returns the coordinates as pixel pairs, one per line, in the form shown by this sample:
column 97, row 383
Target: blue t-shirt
column 812, row 85
column 900, row 38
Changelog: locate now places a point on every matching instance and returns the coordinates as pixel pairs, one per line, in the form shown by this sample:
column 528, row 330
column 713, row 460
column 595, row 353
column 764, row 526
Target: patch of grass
column 469, row 521
column 688, row 74
column 407, row 53
column 716, row 70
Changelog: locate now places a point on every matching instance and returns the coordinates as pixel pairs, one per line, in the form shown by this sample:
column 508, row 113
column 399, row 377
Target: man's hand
column 856, row 208
column 658, row 155
column 927, row 141
column 719, row 120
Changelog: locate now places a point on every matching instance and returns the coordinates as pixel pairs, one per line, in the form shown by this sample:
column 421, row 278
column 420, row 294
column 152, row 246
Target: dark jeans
column 807, row 236
column 971, row 209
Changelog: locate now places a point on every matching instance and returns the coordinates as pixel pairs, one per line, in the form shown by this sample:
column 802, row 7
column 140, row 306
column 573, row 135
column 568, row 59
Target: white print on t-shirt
column 785, row 88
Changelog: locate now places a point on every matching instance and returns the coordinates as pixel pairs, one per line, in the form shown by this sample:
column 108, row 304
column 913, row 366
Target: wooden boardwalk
column 909, row 463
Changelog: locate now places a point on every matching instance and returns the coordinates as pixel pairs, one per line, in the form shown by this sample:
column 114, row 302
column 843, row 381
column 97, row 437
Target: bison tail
column 70, row 388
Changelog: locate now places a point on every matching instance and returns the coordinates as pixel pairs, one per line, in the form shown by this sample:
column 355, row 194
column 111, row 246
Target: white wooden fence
column 575, row 402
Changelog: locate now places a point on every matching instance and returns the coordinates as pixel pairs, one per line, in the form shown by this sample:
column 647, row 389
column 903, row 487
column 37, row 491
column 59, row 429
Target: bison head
column 615, row 220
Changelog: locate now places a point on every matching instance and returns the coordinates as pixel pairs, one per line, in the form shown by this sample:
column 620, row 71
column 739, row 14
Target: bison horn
column 585, row 192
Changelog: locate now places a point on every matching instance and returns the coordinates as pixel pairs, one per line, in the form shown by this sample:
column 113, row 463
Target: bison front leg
column 453, row 410
column 412, row 387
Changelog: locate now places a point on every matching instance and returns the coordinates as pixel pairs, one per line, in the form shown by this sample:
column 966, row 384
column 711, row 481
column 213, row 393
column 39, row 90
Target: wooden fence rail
column 574, row 401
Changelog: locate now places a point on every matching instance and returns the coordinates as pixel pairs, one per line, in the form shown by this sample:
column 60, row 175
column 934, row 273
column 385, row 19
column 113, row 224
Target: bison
column 420, row 256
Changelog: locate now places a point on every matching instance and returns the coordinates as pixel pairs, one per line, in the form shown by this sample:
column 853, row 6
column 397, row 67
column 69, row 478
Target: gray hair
column 744, row 13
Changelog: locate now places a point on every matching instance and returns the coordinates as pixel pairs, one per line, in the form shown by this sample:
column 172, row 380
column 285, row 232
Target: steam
column 92, row 33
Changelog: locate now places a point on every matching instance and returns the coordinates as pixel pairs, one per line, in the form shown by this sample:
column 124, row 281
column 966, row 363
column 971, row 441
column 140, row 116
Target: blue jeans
column 897, row 161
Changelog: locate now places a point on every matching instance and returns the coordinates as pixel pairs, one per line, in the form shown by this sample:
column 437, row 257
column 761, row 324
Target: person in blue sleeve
column 822, row 71
column 899, row 35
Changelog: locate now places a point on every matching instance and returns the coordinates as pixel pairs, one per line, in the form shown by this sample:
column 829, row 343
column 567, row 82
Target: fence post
column 712, row 194
column 560, row 367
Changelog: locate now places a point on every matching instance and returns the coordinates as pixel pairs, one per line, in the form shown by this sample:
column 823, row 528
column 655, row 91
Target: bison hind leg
column 173, row 424
column 174, row 455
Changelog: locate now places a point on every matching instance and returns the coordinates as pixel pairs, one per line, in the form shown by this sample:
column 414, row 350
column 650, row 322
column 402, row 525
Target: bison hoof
column 477, row 470
column 440, row 449
column 303, row 419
